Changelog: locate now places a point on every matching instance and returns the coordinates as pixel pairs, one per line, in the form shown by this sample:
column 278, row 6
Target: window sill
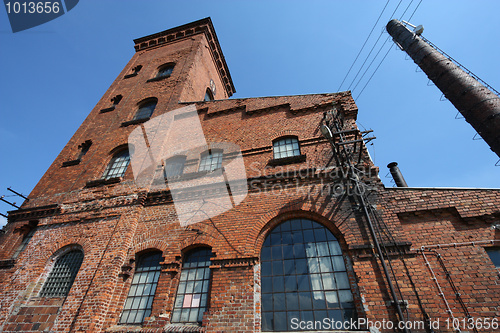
column 287, row 160
column 70, row 163
column 158, row 78
column 130, row 75
column 107, row 109
column 135, row 121
column 102, row 182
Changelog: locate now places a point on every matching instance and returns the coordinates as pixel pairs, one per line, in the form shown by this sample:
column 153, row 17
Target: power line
column 364, row 44
column 374, row 45
column 387, row 50
column 367, row 68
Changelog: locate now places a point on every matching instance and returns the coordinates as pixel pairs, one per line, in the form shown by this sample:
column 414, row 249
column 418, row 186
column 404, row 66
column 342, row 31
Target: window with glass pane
column 145, row 110
column 24, row 243
column 210, row 161
column 303, row 276
column 494, row 254
column 63, row 274
column 208, row 96
column 118, row 165
column 192, row 293
column 174, row 166
column 165, row 70
column 286, row 147
column 142, row 290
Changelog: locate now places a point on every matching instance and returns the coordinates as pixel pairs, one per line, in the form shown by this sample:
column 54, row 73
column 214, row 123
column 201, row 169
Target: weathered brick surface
column 114, row 223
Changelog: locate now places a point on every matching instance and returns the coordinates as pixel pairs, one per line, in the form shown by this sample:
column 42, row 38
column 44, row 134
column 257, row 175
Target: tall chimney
column 397, row 175
column 479, row 105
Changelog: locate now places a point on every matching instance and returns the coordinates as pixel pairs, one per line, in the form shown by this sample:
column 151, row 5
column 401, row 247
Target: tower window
column 210, row 160
column 209, row 96
column 165, row 71
column 118, row 165
column 286, row 147
column 174, row 166
column 146, row 109
column 192, row 293
column 303, row 276
column 142, row 290
column 63, row 274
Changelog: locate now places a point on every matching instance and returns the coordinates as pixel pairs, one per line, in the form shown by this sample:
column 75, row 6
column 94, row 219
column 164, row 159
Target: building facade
column 96, row 250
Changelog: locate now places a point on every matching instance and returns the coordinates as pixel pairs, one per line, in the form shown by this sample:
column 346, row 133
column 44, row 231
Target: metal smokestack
column 397, row 175
column 479, row 105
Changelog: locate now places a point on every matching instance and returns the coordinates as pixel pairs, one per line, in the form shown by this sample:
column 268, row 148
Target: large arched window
column 210, row 160
column 63, row 274
column 304, row 277
column 286, row 147
column 146, row 109
column 192, row 293
column 118, row 165
column 142, row 290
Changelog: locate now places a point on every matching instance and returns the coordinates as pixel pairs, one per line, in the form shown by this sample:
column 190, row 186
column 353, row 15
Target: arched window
column 210, row 160
column 63, row 274
column 118, row 165
column 303, row 276
column 209, row 96
column 192, row 293
column 165, row 70
column 286, row 147
column 145, row 109
column 142, row 290
column 174, row 166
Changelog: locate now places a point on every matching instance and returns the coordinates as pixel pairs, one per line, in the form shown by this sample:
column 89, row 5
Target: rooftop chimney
column 479, row 105
column 397, row 175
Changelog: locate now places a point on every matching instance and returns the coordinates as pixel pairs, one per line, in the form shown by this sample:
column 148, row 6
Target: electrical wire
column 374, row 45
column 362, row 47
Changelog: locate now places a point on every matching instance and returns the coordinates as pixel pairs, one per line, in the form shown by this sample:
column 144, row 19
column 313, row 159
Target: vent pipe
column 479, row 105
column 397, row 175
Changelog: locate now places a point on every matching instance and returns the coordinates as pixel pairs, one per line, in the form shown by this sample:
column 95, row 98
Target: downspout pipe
column 478, row 105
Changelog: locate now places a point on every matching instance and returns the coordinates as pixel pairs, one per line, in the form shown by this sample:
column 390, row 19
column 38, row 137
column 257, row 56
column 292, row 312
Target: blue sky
column 54, row 74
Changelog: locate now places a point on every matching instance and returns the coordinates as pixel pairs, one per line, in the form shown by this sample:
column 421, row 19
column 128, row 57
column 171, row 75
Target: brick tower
column 295, row 245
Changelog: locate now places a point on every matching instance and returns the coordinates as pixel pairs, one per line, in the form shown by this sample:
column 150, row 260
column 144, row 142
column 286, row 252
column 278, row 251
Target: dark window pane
column 308, row 236
column 267, row 321
column 267, row 302
column 301, row 266
column 277, row 267
column 305, row 300
column 266, row 268
column 290, row 283
column 287, row 252
column 277, row 252
column 279, row 321
column 292, row 301
column 279, row 302
column 278, row 284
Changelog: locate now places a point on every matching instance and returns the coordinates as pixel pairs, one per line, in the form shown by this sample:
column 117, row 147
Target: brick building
column 92, row 250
